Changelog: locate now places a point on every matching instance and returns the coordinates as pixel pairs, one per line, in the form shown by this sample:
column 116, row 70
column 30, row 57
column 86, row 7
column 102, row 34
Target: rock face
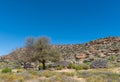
column 77, row 53
column 99, row 63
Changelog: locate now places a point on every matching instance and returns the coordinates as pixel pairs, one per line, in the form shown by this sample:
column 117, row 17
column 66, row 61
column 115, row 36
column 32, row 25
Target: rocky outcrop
column 99, row 63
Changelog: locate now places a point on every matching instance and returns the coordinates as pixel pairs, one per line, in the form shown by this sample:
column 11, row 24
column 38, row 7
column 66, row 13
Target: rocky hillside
column 107, row 48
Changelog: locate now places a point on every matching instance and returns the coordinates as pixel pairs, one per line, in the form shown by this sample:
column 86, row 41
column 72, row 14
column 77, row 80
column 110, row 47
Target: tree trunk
column 43, row 63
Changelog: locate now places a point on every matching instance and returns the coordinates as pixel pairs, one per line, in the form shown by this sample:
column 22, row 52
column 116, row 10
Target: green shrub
column 6, row 70
column 112, row 58
column 40, row 67
column 82, row 66
column 60, row 67
column 48, row 66
column 72, row 66
column 85, row 67
column 79, row 67
column 86, row 62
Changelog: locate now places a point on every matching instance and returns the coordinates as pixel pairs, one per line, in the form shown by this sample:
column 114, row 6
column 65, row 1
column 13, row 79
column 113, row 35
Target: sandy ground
column 65, row 70
column 115, row 70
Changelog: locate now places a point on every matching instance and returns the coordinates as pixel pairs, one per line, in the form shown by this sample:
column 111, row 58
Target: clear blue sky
column 64, row 21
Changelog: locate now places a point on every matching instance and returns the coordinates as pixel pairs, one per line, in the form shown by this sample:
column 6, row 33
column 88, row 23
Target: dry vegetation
column 68, row 75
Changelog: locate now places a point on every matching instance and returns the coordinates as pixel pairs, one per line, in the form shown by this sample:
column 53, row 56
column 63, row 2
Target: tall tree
column 44, row 51
column 40, row 50
column 29, row 48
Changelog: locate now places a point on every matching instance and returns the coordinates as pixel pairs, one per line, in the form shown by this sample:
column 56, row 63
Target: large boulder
column 99, row 63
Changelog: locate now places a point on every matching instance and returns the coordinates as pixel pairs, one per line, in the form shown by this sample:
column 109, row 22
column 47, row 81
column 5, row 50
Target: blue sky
column 64, row 21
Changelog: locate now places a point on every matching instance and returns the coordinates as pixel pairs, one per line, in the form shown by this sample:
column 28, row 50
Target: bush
column 79, row 67
column 85, row 67
column 60, row 67
column 6, row 70
column 18, row 67
column 48, row 66
column 82, row 66
column 112, row 58
column 40, row 67
column 86, row 62
column 71, row 66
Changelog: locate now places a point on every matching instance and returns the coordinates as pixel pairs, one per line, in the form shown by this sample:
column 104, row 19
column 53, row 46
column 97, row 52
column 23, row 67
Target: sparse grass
column 11, row 78
column 71, row 74
column 101, row 75
column 48, row 73
column 33, row 72
column 91, row 75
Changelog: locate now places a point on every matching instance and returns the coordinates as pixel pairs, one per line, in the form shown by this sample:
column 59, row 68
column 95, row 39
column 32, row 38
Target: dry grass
column 91, row 75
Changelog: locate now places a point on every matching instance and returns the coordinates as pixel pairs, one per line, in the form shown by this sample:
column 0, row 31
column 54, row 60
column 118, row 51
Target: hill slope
column 107, row 48
column 100, row 48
